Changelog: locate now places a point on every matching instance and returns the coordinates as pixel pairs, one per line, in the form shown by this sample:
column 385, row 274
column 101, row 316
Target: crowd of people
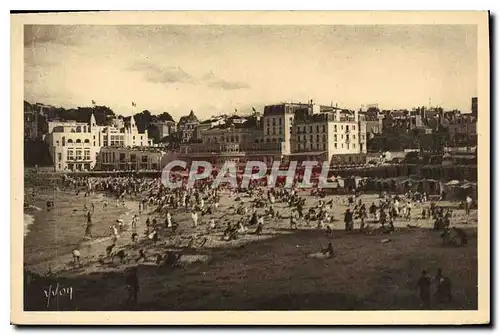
column 250, row 211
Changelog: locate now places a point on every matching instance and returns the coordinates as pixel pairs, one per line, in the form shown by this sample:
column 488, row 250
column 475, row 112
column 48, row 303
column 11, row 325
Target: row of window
column 335, row 138
column 111, row 157
column 323, row 146
column 273, row 121
column 303, row 129
column 75, row 155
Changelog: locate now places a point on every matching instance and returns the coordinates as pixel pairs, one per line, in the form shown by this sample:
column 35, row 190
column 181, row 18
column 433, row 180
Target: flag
column 93, row 102
column 133, row 104
column 253, row 108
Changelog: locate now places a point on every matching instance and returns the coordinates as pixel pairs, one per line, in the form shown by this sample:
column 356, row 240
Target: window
column 324, row 138
column 274, row 121
column 310, row 138
column 122, row 157
column 290, row 130
column 335, row 127
column 342, row 126
column 78, row 155
column 317, row 128
column 59, row 157
column 70, row 154
column 342, row 145
column 354, row 145
column 279, row 121
column 335, row 145
column 78, row 141
column 324, row 128
column 317, row 138
column 347, row 128
column 341, row 136
column 291, row 119
column 86, row 155
column 353, row 127
column 87, row 140
column 267, row 122
column 280, row 131
column 310, row 129
column 335, row 137
column 144, row 159
column 347, row 146
column 133, row 158
column 274, row 131
column 353, row 137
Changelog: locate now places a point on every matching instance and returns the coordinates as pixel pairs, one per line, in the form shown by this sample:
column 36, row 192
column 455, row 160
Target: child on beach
column 194, row 217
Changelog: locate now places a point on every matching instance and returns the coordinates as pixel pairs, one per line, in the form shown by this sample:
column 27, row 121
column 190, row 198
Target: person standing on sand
column 88, row 229
column 168, row 220
column 132, row 283
column 194, row 217
column 468, row 205
column 424, row 285
column 134, row 221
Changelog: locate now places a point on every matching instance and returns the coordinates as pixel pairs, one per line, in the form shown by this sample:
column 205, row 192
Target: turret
column 93, row 123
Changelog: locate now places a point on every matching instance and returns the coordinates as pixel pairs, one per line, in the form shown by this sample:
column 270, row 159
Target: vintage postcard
column 258, row 168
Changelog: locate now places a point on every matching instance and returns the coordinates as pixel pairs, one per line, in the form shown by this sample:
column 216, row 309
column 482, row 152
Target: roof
column 191, row 117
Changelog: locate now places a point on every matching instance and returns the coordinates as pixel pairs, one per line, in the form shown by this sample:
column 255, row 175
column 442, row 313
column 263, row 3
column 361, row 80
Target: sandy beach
column 209, row 261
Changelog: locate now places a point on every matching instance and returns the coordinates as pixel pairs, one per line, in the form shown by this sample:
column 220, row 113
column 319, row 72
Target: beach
column 216, row 265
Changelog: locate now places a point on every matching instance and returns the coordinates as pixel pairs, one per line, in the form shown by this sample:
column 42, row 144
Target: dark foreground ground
column 275, row 274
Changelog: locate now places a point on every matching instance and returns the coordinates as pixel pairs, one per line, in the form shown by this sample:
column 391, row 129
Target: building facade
column 30, row 122
column 164, row 128
column 74, row 146
column 129, row 159
column 335, row 137
column 187, row 127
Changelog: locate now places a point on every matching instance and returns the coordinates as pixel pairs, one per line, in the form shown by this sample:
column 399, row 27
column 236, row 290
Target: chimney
column 356, row 116
column 337, row 115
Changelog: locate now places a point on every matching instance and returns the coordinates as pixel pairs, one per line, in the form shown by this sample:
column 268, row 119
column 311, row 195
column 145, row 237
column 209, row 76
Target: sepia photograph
column 302, row 164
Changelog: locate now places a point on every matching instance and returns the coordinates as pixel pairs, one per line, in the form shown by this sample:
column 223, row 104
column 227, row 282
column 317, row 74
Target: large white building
column 75, row 146
column 337, row 137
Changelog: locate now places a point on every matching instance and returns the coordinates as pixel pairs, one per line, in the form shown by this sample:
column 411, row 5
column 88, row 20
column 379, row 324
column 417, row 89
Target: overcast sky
column 215, row 69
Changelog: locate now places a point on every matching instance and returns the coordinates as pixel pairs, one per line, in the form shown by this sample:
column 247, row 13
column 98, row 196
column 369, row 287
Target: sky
column 217, row 69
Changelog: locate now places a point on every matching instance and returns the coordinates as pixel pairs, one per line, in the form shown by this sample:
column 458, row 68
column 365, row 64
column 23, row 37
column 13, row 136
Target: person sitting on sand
column 328, row 251
column 142, row 255
column 134, row 238
column 254, row 219
column 76, row 256
column 121, row 254
column 211, row 224
column 109, row 249
column 241, row 228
